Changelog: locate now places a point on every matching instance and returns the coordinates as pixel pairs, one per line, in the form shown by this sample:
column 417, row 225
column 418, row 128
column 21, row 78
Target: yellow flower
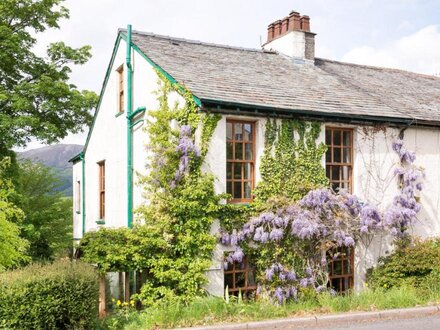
column 132, row 303
column 118, row 303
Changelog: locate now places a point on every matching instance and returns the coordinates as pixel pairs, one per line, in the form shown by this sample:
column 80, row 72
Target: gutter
column 83, row 192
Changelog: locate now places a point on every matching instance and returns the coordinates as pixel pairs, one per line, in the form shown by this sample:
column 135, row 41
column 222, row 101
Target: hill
column 56, row 156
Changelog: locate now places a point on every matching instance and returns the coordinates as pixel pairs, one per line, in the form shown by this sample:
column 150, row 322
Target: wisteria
column 403, row 211
column 186, row 148
column 320, row 222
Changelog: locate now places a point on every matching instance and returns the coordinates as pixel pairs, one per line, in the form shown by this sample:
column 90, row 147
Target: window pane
column 345, row 173
column 238, row 151
column 337, row 155
column 347, row 138
column 229, row 131
column 346, row 155
column 335, row 173
column 229, row 187
column 248, row 151
column 229, row 154
column 337, row 268
column 237, row 171
column 247, row 132
column 337, row 138
column 328, row 171
column 247, row 190
column 229, row 282
column 247, row 171
column 229, row 170
column 240, row 280
column 328, row 137
column 335, row 186
column 328, row 156
column 238, row 131
column 251, row 278
column 237, row 190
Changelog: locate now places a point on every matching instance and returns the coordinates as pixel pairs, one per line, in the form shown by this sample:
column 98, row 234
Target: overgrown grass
column 211, row 310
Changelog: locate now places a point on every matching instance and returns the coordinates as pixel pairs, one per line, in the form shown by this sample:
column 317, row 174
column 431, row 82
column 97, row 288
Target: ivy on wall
column 291, row 165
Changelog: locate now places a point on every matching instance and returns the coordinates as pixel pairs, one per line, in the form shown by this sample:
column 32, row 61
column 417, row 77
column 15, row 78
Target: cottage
column 362, row 109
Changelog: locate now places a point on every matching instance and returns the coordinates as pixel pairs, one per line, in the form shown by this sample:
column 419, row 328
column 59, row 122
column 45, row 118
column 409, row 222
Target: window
column 339, row 157
column 240, row 155
column 341, row 269
column 240, row 277
column 78, row 197
column 120, row 72
column 101, row 184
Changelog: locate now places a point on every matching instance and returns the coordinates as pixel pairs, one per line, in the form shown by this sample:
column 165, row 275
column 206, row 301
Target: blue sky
column 395, row 33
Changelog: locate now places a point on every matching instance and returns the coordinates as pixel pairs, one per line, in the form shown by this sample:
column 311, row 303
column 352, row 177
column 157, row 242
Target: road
column 431, row 322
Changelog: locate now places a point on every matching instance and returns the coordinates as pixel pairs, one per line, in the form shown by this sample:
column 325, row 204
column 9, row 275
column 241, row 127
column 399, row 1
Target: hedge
column 62, row 295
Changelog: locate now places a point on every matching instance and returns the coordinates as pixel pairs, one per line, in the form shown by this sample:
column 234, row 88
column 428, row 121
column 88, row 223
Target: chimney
column 291, row 36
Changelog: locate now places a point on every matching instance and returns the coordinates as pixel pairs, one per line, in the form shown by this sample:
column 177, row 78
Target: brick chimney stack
column 292, row 37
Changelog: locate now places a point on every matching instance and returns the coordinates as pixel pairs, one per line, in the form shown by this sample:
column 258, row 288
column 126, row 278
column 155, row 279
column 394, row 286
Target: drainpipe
column 83, row 192
column 130, row 124
column 129, row 135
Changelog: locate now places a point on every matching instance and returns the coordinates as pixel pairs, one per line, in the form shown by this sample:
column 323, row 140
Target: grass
column 211, row 310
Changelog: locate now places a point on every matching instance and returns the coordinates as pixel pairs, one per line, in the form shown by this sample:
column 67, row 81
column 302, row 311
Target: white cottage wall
column 77, row 213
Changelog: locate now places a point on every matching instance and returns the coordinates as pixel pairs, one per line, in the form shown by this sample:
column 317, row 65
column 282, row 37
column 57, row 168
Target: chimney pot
column 285, row 25
column 270, row 31
column 277, row 28
column 305, row 23
column 294, row 17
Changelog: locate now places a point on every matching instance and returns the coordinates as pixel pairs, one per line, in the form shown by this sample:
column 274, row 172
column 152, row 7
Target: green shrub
column 409, row 265
column 62, row 295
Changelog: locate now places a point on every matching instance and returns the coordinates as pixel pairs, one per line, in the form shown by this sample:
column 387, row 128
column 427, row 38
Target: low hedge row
column 62, row 295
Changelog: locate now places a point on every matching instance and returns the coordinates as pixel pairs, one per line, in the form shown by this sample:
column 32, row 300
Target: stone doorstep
column 310, row 321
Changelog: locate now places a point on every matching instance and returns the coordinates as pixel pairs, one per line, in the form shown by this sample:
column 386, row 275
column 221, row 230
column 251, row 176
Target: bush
column 62, row 295
column 410, row 265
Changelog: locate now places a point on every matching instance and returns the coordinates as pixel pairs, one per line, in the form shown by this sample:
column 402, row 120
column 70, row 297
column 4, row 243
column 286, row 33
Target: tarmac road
column 431, row 322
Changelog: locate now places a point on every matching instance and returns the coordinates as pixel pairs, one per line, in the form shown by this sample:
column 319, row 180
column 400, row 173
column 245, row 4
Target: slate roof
column 261, row 79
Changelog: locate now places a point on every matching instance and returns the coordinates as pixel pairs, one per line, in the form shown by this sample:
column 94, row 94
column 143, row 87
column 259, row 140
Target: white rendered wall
column 292, row 44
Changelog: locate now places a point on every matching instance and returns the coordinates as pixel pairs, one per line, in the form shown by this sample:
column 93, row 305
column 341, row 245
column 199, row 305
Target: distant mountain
column 56, row 156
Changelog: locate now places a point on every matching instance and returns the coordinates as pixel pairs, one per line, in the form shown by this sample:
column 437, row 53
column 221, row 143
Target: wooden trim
column 101, row 189
column 331, row 163
column 120, row 72
column 242, row 162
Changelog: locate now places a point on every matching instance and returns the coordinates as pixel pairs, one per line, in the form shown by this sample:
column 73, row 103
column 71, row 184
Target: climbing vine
column 291, row 164
column 182, row 203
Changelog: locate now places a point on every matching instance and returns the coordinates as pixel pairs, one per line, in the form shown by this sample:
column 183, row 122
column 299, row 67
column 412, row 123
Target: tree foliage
column 47, row 223
column 12, row 247
column 36, row 98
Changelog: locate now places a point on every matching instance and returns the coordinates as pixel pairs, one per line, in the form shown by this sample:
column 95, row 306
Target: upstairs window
column 240, row 155
column 101, row 185
column 339, row 158
column 120, row 72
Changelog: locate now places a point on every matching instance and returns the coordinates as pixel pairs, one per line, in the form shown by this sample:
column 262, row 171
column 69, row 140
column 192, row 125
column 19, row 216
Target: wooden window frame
column 342, row 257
column 101, row 189
column 330, row 164
column 235, row 269
column 251, row 180
column 121, row 91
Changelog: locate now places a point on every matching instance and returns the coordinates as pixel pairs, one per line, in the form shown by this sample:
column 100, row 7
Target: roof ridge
column 196, row 42
column 374, row 67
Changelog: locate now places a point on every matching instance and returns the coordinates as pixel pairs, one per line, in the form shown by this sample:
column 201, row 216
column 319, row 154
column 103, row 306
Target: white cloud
column 418, row 52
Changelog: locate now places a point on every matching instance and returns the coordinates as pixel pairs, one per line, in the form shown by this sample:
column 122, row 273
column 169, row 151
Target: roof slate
column 267, row 79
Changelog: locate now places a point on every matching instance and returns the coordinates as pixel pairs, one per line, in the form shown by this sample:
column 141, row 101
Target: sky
column 402, row 34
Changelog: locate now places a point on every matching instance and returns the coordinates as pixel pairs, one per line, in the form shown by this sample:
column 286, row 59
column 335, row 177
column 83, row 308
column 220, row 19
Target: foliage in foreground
column 12, row 247
column 417, row 264
column 212, row 310
column 63, row 295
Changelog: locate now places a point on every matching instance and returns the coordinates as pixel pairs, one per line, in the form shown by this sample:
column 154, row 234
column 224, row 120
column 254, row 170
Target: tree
column 47, row 223
column 12, row 247
column 36, row 98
